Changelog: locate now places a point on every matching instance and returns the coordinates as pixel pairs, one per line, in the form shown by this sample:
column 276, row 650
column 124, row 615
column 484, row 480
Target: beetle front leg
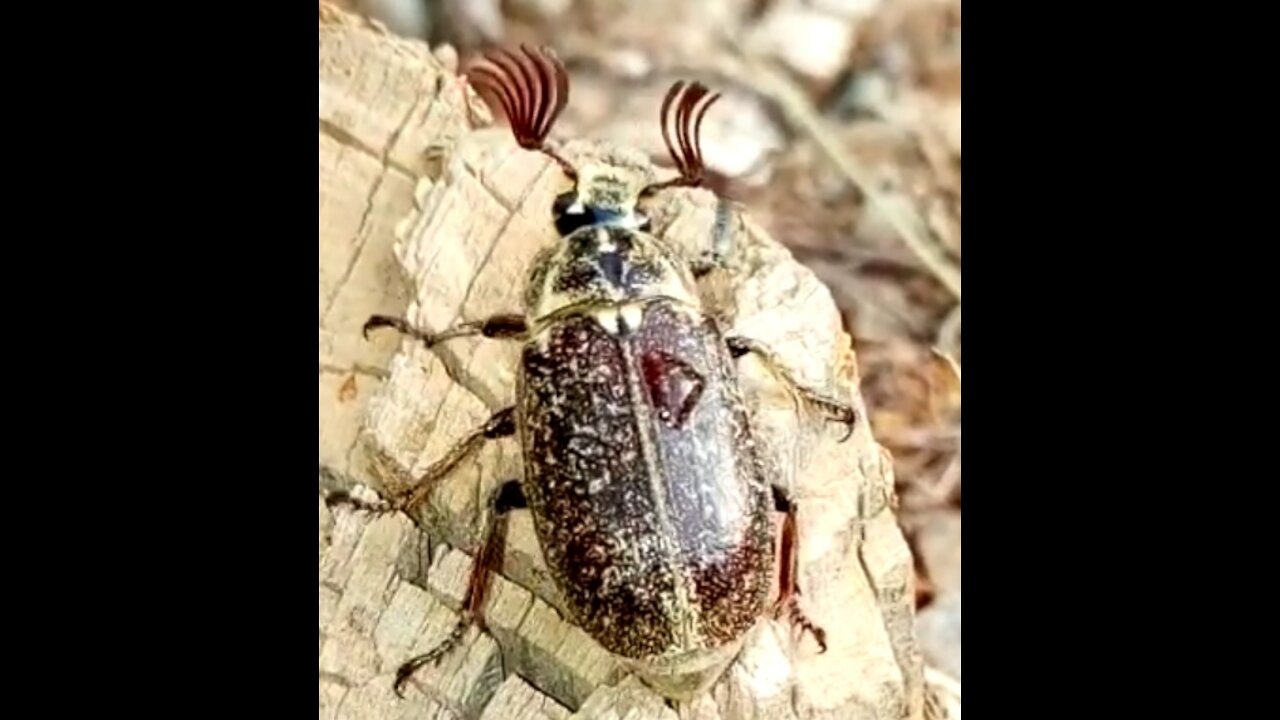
column 501, row 424
column 835, row 410
column 505, row 326
column 717, row 256
column 506, row 498
column 788, row 598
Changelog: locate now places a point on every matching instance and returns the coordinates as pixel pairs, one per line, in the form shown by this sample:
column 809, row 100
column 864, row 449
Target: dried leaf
column 347, row 392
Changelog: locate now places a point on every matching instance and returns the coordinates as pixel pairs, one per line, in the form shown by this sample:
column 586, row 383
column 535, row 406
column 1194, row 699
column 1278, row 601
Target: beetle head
column 604, row 195
column 533, row 88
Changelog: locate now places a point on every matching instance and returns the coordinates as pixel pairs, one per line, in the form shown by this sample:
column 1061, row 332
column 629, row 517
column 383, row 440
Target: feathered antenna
column 533, row 88
column 688, row 124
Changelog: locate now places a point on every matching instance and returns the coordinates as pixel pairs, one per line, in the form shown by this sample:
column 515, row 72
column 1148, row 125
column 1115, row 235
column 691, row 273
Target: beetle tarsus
column 835, row 410
column 799, row 619
column 377, row 321
column 409, row 667
column 342, row 497
column 504, row 326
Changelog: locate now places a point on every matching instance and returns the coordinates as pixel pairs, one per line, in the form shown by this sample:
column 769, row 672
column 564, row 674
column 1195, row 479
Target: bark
column 426, row 212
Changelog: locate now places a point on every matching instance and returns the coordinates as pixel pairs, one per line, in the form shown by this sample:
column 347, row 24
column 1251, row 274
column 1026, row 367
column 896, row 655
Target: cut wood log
column 469, row 209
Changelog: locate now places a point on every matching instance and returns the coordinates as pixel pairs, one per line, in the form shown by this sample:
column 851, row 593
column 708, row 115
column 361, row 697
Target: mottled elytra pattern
column 663, row 526
column 588, row 488
column 717, row 495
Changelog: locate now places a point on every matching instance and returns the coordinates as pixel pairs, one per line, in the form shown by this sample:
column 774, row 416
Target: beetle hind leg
column 835, row 410
column 789, row 597
column 506, row 498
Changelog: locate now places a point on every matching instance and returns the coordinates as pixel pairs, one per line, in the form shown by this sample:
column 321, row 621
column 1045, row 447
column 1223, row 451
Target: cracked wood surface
column 391, row 111
column 385, row 103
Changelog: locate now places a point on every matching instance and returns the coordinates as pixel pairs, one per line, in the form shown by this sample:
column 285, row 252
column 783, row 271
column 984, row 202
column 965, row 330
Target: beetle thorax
column 605, row 194
column 606, row 267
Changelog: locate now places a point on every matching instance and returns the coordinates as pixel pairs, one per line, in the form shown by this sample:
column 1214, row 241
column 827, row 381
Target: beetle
column 649, row 495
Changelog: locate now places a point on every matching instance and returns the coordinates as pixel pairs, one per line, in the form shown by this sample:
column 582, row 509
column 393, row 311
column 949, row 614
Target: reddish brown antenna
column 689, row 112
column 533, row 88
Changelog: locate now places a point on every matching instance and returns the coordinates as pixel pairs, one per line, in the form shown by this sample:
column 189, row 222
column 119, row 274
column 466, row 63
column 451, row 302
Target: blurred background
column 839, row 129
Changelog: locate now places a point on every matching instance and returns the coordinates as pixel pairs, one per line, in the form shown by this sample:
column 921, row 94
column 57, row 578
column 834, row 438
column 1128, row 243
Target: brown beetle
column 649, row 497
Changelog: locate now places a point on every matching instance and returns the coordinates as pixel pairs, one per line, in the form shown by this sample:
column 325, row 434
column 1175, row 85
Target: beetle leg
column 501, row 424
column 505, row 498
column 788, row 598
column 717, row 257
column 835, row 410
column 504, row 326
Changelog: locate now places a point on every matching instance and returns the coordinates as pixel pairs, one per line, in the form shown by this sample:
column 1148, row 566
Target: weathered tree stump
column 411, row 189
